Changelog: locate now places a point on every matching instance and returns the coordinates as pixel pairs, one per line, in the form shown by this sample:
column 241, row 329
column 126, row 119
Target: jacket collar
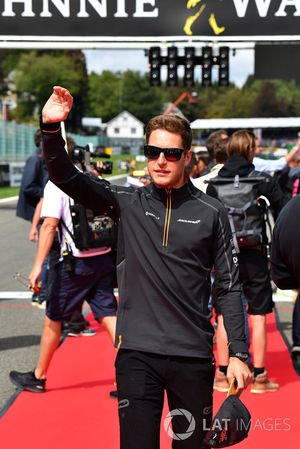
column 183, row 192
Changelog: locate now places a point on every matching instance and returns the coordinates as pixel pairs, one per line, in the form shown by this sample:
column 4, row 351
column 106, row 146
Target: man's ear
column 187, row 155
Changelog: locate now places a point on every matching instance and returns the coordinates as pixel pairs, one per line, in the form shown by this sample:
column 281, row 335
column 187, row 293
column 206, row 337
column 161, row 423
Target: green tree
column 112, row 92
column 103, row 95
column 36, row 74
column 288, row 97
column 229, row 102
column 138, row 97
column 266, row 103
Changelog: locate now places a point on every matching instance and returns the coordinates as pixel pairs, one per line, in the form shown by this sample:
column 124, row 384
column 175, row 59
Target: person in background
column 219, row 149
column 285, row 264
column 34, row 179
column 77, row 275
column 272, row 165
column 213, row 140
column 191, row 170
column 287, row 177
column 203, row 160
column 253, row 262
column 220, row 157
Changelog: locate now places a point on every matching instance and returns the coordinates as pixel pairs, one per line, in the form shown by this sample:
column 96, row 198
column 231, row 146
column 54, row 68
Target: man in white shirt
column 272, row 165
column 79, row 275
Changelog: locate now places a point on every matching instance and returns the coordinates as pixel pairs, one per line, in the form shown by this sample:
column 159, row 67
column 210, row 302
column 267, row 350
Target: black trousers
column 142, row 379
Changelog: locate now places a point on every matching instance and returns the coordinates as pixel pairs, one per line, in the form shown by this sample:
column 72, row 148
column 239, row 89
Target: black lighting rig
column 189, row 60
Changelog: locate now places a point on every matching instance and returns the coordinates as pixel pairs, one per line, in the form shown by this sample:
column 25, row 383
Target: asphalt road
column 20, row 322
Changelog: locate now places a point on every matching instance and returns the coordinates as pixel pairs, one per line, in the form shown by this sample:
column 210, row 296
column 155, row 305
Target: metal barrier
column 17, row 143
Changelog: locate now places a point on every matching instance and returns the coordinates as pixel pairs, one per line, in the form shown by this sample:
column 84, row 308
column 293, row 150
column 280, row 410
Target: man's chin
column 161, row 183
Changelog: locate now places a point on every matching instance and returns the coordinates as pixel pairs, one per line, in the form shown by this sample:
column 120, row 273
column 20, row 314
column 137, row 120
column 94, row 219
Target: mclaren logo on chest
column 182, row 220
column 151, row 215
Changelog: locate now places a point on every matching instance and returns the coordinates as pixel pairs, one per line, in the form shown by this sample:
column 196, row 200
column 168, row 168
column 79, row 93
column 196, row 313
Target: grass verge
column 6, row 192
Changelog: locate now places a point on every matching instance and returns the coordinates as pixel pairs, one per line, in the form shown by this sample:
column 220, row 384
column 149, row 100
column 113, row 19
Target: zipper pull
column 120, row 342
column 236, row 183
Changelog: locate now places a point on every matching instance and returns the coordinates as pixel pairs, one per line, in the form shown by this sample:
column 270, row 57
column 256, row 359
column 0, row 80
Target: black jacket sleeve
column 227, row 289
column 281, row 273
column 285, row 252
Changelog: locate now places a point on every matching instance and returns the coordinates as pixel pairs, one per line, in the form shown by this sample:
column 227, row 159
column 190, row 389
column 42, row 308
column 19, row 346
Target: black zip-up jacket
column 285, row 265
column 167, row 245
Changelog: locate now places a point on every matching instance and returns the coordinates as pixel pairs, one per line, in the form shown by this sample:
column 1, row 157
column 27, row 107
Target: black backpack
column 91, row 229
column 247, row 214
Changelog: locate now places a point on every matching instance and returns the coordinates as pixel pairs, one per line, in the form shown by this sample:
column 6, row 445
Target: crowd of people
column 186, row 252
column 240, row 154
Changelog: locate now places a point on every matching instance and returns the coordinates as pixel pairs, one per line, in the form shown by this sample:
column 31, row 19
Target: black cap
column 230, row 425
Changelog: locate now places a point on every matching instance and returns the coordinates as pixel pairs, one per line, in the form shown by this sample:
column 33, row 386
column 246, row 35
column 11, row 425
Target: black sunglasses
column 171, row 154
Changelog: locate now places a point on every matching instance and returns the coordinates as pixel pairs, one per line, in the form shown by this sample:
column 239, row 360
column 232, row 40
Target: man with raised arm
column 170, row 237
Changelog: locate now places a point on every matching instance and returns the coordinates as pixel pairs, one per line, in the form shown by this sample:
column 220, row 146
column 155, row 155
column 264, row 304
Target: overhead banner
column 149, row 20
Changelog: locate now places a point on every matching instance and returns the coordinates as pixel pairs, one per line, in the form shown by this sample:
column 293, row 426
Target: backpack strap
column 219, row 180
column 67, row 229
column 233, row 232
column 241, row 210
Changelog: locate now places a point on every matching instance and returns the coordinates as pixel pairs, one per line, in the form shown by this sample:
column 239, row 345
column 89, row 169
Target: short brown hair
column 213, row 140
column 220, row 151
column 173, row 124
column 242, row 143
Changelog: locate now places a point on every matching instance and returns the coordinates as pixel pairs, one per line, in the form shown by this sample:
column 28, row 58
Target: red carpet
column 77, row 412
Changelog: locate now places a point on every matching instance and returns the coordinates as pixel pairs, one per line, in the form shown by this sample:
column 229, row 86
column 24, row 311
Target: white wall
column 125, row 126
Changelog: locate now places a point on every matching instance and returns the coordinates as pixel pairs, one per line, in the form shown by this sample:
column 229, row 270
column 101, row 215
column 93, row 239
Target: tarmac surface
column 21, row 323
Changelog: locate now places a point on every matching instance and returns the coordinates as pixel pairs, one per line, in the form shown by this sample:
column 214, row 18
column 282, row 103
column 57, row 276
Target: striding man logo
column 199, row 8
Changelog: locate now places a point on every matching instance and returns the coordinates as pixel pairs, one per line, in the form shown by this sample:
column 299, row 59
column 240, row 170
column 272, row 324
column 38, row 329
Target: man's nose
column 161, row 159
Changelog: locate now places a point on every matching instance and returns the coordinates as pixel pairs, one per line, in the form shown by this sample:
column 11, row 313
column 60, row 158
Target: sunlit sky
column 241, row 65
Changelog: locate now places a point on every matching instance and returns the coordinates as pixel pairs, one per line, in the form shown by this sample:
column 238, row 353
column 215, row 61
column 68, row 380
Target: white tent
column 246, row 123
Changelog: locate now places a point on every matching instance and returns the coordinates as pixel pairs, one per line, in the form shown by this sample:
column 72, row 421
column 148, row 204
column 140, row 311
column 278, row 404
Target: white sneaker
column 84, row 333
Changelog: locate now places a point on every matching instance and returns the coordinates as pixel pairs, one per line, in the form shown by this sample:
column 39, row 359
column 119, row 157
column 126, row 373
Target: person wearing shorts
column 83, row 275
column 253, row 262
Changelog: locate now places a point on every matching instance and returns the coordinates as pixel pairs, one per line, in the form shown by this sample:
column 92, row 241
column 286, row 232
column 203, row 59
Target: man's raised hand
column 58, row 106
